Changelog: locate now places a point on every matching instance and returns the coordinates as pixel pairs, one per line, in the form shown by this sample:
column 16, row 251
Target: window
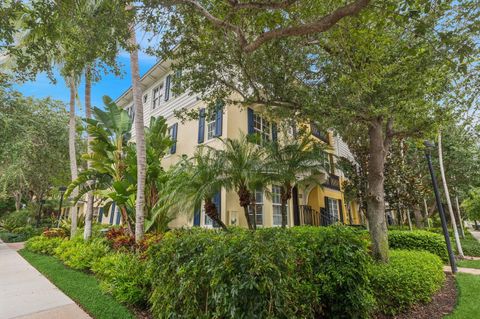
column 211, row 126
column 172, row 132
column 145, row 98
column 131, row 112
column 156, row 96
column 262, row 127
column 277, row 206
column 207, row 221
column 332, row 210
column 258, row 206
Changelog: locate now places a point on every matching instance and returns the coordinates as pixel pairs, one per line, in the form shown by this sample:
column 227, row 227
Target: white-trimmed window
column 145, row 98
column 277, row 206
column 156, row 96
column 131, row 112
column 211, row 126
column 258, row 206
column 333, row 209
column 262, row 127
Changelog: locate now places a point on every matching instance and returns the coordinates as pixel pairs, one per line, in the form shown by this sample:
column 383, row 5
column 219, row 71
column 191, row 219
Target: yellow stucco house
column 310, row 205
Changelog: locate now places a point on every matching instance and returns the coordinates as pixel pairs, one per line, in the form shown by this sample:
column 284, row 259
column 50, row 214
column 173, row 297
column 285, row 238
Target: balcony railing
column 309, row 216
column 333, row 182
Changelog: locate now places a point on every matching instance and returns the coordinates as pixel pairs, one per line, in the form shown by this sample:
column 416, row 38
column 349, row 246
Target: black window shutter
column 201, row 126
column 173, row 148
column 167, row 87
column 250, row 121
column 217, row 200
column 196, row 217
column 218, row 118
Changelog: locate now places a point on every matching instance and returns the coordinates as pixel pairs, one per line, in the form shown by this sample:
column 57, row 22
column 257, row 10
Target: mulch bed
column 442, row 304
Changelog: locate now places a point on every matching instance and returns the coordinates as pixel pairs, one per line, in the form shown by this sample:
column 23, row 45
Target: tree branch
column 321, row 25
column 261, row 5
column 318, row 26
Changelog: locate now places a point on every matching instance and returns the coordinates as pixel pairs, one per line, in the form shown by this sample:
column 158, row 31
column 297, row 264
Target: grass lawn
column 467, row 304
column 81, row 287
column 469, row 263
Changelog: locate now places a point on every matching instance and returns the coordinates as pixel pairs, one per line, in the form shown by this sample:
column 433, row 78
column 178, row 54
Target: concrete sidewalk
column 25, row 293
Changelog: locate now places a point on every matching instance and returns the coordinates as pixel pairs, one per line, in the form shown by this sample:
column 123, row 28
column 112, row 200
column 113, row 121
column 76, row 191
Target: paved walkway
column 27, row 294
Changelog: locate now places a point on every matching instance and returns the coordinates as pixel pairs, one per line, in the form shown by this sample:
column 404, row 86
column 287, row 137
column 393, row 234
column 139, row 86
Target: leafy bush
column 43, row 245
column 418, row 240
column 123, row 276
column 55, row 232
column 120, row 240
column 470, row 246
column 277, row 273
column 79, row 254
column 14, row 220
column 410, row 277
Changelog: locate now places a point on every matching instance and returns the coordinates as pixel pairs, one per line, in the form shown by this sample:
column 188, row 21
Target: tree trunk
column 126, row 221
column 476, row 224
column 72, row 152
column 418, row 217
column 286, row 194
column 460, row 220
column 88, row 113
column 409, row 220
column 211, row 211
column 18, row 200
column 139, row 136
column 447, row 195
column 245, row 201
column 425, row 206
column 375, row 192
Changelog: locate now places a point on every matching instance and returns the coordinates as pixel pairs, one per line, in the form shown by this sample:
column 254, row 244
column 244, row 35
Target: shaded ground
column 442, row 304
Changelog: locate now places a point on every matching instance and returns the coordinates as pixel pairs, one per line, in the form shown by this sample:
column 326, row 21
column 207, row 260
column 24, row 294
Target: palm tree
column 108, row 173
column 88, row 114
column 193, row 182
column 139, row 133
column 292, row 162
column 242, row 171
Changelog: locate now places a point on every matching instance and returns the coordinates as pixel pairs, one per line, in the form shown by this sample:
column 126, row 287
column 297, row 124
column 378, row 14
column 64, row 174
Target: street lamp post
column 429, row 145
column 62, row 190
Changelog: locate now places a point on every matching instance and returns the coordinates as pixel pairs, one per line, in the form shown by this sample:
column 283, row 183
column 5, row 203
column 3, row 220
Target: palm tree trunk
column 139, row 136
column 18, row 200
column 447, row 195
column 72, row 152
column 409, row 220
column 418, row 217
column 247, row 216
column 88, row 113
column 211, row 211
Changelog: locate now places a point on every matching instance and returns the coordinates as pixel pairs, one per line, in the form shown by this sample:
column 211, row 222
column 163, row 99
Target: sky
column 110, row 84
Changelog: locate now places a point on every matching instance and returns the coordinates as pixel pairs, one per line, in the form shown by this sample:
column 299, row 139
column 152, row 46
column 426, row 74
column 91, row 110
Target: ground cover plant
column 410, row 277
column 81, row 287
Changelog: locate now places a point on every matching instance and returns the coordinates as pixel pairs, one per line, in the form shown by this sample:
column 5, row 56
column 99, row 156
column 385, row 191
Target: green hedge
column 78, row 254
column 418, row 240
column 123, row 275
column 43, row 245
column 271, row 273
column 409, row 278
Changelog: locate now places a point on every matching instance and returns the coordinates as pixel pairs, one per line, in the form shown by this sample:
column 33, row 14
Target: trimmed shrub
column 418, row 240
column 409, row 278
column 123, row 276
column 302, row 272
column 470, row 246
column 43, row 245
column 78, row 254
